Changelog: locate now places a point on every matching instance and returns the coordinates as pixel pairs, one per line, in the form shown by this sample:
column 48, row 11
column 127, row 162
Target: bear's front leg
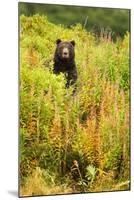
column 71, row 77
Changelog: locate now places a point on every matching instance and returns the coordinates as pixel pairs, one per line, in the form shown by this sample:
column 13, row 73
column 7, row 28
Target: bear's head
column 65, row 50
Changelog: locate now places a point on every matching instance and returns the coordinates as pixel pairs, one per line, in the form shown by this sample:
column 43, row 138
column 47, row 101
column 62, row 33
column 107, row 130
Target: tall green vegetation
column 73, row 143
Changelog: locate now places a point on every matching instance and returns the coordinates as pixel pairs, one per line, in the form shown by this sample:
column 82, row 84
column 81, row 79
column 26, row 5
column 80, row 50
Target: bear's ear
column 58, row 41
column 73, row 42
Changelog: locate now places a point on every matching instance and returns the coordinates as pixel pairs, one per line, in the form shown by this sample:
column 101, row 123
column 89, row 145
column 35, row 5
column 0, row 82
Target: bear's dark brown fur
column 64, row 61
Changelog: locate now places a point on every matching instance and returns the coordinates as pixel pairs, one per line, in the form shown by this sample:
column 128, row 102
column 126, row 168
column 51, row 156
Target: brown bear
column 64, row 61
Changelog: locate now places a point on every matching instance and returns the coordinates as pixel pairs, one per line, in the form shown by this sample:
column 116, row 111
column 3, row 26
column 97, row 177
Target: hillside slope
column 72, row 144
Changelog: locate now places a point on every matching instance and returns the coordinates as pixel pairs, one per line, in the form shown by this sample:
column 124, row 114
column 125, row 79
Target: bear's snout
column 65, row 53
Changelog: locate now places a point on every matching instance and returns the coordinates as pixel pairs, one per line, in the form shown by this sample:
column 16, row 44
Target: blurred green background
column 93, row 19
